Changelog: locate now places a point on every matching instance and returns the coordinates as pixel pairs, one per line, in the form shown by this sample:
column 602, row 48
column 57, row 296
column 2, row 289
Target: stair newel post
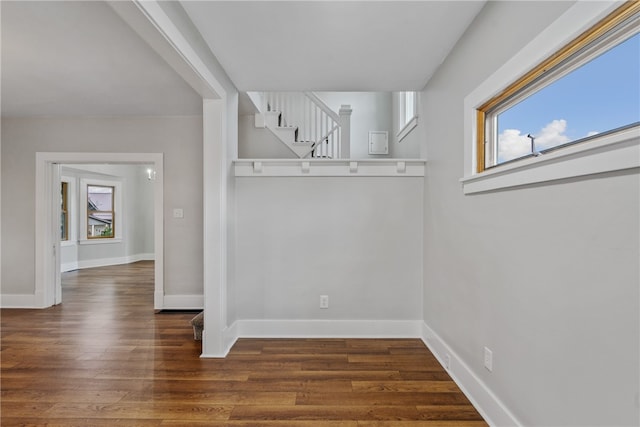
column 345, row 131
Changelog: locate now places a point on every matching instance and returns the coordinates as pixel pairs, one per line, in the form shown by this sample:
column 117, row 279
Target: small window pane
column 100, row 225
column 600, row 96
column 63, row 226
column 99, row 198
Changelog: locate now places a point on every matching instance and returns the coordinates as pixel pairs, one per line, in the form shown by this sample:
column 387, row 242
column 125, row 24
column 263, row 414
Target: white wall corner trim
column 605, row 153
column 230, row 336
column 494, row 412
column 200, row 72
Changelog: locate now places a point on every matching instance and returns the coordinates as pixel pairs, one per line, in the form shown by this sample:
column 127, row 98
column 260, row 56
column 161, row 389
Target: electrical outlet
column 488, row 359
column 324, row 301
column 447, row 361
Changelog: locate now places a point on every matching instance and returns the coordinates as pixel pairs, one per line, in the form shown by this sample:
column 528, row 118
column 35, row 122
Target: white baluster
column 285, row 108
column 316, row 123
column 307, row 135
column 334, row 146
column 322, row 150
column 325, row 134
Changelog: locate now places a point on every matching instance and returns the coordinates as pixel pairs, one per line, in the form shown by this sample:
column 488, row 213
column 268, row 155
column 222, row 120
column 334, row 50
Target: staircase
column 305, row 124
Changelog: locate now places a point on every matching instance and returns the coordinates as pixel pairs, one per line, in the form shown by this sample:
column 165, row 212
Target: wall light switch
column 178, row 213
column 324, row 301
column 488, row 359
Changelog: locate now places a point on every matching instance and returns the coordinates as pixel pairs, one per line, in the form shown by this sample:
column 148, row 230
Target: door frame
column 47, row 244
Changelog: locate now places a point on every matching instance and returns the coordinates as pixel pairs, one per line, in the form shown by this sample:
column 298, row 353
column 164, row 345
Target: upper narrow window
column 100, row 212
column 588, row 88
column 407, row 113
column 64, row 211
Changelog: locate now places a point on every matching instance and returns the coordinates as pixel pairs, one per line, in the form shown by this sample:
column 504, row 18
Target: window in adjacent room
column 588, row 89
column 100, row 212
column 64, row 211
column 408, row 113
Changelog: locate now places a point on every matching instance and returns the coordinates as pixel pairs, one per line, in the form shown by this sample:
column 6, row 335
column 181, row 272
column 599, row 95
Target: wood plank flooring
column 104, row 358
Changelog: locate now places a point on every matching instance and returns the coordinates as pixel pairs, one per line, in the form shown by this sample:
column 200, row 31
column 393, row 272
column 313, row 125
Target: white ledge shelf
column 329, row 168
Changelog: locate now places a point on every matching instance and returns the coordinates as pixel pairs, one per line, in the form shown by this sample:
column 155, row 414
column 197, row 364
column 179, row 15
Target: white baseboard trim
column 18, row 301
column 318, row 329
column 230, row 336
column 328, row 328
column 494, row 412
column 183, row 302
column 105, row 262
column 69, row 266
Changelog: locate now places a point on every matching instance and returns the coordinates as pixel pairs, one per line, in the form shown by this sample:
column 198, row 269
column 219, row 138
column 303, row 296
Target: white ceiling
column 79, row 58
column 68, row 58
column 331, row 45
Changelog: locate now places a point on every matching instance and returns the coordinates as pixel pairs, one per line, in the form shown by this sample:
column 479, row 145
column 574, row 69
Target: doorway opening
column 106, row 215
column 117, row 242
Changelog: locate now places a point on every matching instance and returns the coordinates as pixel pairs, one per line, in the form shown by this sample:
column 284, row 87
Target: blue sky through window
column 599, row 96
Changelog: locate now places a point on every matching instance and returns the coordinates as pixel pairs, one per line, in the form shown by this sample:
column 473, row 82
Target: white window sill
column 609, row 153
column 407, row 128
column 100, row 241
column 65, row 243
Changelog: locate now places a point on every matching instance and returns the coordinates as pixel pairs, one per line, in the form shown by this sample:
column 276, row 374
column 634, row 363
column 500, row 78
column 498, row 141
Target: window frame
column 64, row 210
column 111, row 212
column 71, row 211
column 407, row 123
column 117, row 223
column 583, row 24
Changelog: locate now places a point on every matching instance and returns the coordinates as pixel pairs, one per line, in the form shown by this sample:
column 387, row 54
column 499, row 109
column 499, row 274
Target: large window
column 588, row 89
column 100, row 212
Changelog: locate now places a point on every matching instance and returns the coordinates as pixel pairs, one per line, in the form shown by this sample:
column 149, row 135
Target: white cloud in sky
column 552, row 135
column 513, row 144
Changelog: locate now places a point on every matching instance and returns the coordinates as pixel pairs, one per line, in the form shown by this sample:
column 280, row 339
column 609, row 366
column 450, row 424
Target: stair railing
column 315, row 121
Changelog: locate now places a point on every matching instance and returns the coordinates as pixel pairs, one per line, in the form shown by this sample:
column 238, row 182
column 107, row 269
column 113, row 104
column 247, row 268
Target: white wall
column 137, row 220
column 259, row 143
column 546, row 276
column 355, row 239
column 179, row 138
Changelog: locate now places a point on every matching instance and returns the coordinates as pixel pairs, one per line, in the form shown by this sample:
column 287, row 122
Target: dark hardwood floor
column 104, row 358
